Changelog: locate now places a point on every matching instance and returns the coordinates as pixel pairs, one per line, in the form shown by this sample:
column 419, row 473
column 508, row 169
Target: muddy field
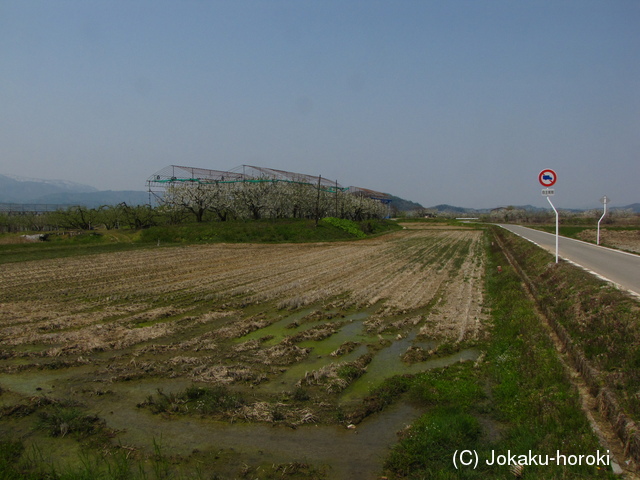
column 243, row 354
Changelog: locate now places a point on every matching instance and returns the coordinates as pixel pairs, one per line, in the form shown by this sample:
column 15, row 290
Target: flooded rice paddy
column 297, row 335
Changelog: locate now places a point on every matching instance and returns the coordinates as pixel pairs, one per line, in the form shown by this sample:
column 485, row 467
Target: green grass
column 347, row 226
column 603, row 321
column 19, row 462
column 438, row 388
column 235, row 231
column 59, row 421
column 10, row 454
column 194, row 399
column 427, row 449
column 63, row 246
column 518, row 399
column 264, row 231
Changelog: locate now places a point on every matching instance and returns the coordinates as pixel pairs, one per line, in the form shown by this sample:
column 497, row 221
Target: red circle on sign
column 547, row 177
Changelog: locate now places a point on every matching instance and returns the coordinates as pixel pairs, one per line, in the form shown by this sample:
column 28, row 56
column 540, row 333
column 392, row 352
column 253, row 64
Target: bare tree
column 137, row 216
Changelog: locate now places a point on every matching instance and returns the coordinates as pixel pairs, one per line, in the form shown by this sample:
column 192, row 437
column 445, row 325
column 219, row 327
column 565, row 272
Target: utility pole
column 318, row 201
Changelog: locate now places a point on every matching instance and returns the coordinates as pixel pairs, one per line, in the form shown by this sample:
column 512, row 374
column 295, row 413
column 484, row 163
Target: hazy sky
column 448, row 101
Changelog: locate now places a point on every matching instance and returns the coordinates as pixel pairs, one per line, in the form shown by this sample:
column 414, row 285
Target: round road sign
column 547, row 177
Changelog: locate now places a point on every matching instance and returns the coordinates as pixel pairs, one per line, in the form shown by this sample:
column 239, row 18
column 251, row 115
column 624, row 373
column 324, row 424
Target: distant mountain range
column 62, row 192
column 24, row 190
column 403, row 205
column 444, row 208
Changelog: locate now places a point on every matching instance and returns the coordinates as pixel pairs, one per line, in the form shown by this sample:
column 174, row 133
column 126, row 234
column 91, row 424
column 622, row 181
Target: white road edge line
column 581, row 241
column 601, row 277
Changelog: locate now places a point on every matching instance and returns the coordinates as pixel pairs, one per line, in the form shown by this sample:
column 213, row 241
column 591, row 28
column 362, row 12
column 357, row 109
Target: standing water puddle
column 388, row 363
column 348, row 453
column 321, row 353
column 282, row 328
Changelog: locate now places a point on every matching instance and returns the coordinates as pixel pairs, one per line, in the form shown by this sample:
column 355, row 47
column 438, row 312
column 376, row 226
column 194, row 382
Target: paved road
column 615, row 266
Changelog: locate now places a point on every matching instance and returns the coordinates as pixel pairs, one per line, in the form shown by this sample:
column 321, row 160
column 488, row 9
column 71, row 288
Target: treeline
column 82, row 218
column 567, row 217
column 187, row 202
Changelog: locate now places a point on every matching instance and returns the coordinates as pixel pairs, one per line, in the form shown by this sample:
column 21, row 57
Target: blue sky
column 459, row 102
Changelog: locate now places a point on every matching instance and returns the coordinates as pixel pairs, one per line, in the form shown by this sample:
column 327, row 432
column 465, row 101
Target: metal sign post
column 557, row 224
column 547, row 178
column 604, row 200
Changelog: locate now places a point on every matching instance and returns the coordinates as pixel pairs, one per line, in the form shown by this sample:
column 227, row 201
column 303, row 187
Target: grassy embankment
column 13, row 249
column 602, row 321
column 518, row 399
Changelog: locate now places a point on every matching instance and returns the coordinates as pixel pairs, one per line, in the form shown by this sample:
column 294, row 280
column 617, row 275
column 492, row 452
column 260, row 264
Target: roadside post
column 547, row 178
column 604, row 200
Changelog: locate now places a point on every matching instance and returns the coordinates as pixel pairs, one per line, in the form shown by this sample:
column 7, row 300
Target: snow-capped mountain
column 61, row 185
column 15, row 189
